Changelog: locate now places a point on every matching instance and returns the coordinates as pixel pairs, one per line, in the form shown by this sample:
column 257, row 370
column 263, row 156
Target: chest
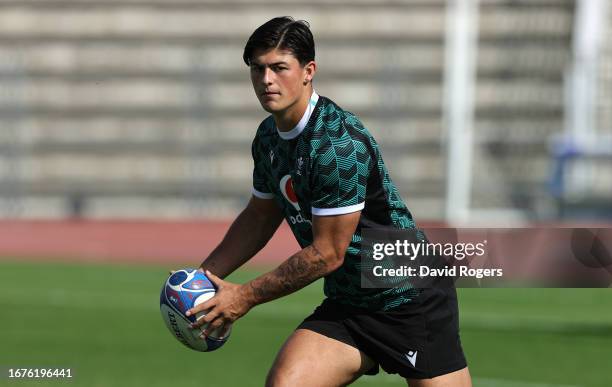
column 288, row 173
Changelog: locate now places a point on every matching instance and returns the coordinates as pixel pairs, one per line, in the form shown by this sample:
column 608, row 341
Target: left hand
column 228, row 305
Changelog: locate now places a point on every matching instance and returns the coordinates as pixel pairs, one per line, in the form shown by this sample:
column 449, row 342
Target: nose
column 267, row 75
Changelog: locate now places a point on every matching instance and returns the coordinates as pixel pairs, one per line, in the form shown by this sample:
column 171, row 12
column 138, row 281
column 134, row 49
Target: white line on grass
column 138, row 300
column 388, row 379
column 494, row 382
column 96, row 300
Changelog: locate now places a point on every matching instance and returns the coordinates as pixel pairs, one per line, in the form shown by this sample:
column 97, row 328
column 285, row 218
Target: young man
column 318, row 168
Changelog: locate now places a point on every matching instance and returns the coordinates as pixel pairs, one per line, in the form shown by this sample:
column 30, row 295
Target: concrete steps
column 144, row 107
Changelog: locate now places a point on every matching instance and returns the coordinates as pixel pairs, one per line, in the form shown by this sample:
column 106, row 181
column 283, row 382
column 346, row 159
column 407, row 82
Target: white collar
column 293, row 133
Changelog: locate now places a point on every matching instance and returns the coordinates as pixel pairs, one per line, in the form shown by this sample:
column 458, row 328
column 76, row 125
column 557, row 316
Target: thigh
column 460, row 378
column 310, row 359
column 419, row 341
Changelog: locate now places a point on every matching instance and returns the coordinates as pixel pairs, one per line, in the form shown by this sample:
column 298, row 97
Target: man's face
column 278, row 79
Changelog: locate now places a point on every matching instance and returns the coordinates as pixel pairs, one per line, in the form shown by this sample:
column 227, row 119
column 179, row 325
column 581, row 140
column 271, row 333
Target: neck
column 289, row 118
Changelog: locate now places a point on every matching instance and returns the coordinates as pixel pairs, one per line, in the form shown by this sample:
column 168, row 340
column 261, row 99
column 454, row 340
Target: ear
column 310, row 69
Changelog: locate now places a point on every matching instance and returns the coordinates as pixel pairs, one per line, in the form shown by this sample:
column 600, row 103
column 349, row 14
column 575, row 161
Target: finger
column 204, row 320
column 209, row 304
column 214, row 279
column 172, row 272
column 213, row 326
column 208, row 317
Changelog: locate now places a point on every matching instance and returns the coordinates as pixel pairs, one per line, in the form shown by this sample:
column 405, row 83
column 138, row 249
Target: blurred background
column 142, row 109
column 125, row 137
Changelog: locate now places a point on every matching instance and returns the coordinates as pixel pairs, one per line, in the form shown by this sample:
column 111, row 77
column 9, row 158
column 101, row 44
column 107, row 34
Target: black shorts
column 419, row 340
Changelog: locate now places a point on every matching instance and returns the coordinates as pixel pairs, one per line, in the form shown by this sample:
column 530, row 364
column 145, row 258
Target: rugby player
column 319, row 168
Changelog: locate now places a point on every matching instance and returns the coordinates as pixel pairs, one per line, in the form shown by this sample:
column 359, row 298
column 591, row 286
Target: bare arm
column 332, row 235
column 248, row 234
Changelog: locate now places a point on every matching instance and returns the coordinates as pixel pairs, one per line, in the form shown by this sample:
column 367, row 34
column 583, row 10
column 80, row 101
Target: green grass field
column 103, row 322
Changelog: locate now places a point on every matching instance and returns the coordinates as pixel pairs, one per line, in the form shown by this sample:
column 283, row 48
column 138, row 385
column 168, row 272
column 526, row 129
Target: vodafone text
column 299, row 219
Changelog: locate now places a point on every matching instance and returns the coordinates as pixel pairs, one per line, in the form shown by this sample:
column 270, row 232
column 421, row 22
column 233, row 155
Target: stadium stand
column 143, row 108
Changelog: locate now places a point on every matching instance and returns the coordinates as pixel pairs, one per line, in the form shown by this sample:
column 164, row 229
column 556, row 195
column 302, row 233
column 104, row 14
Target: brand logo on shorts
column 411, row 356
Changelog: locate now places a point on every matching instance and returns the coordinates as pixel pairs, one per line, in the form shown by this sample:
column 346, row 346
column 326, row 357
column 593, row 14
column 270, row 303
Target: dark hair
column 284, row 33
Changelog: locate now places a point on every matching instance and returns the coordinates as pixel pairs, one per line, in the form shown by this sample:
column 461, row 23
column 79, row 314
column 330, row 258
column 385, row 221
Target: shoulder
column 266, row 128
column 334, row 124
column 265, row 131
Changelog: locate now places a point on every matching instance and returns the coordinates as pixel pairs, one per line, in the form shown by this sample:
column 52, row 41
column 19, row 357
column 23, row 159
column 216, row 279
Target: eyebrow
column 271, row 64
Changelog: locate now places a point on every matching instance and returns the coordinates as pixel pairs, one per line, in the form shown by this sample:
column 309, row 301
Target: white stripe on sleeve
column 338, row 211
column 262, row 195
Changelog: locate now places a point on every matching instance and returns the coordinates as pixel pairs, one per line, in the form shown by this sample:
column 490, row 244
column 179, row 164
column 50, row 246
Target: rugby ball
column 184, row 289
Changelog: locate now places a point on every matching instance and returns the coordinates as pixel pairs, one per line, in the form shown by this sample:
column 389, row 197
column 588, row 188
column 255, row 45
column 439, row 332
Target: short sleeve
column 339, row 177
column 260, row 187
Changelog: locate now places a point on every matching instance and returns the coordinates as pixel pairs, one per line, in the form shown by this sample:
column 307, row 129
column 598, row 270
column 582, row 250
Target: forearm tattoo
column 298, row 271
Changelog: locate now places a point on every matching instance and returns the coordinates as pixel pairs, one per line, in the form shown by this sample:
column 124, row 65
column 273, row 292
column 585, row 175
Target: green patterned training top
column 330, row 164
